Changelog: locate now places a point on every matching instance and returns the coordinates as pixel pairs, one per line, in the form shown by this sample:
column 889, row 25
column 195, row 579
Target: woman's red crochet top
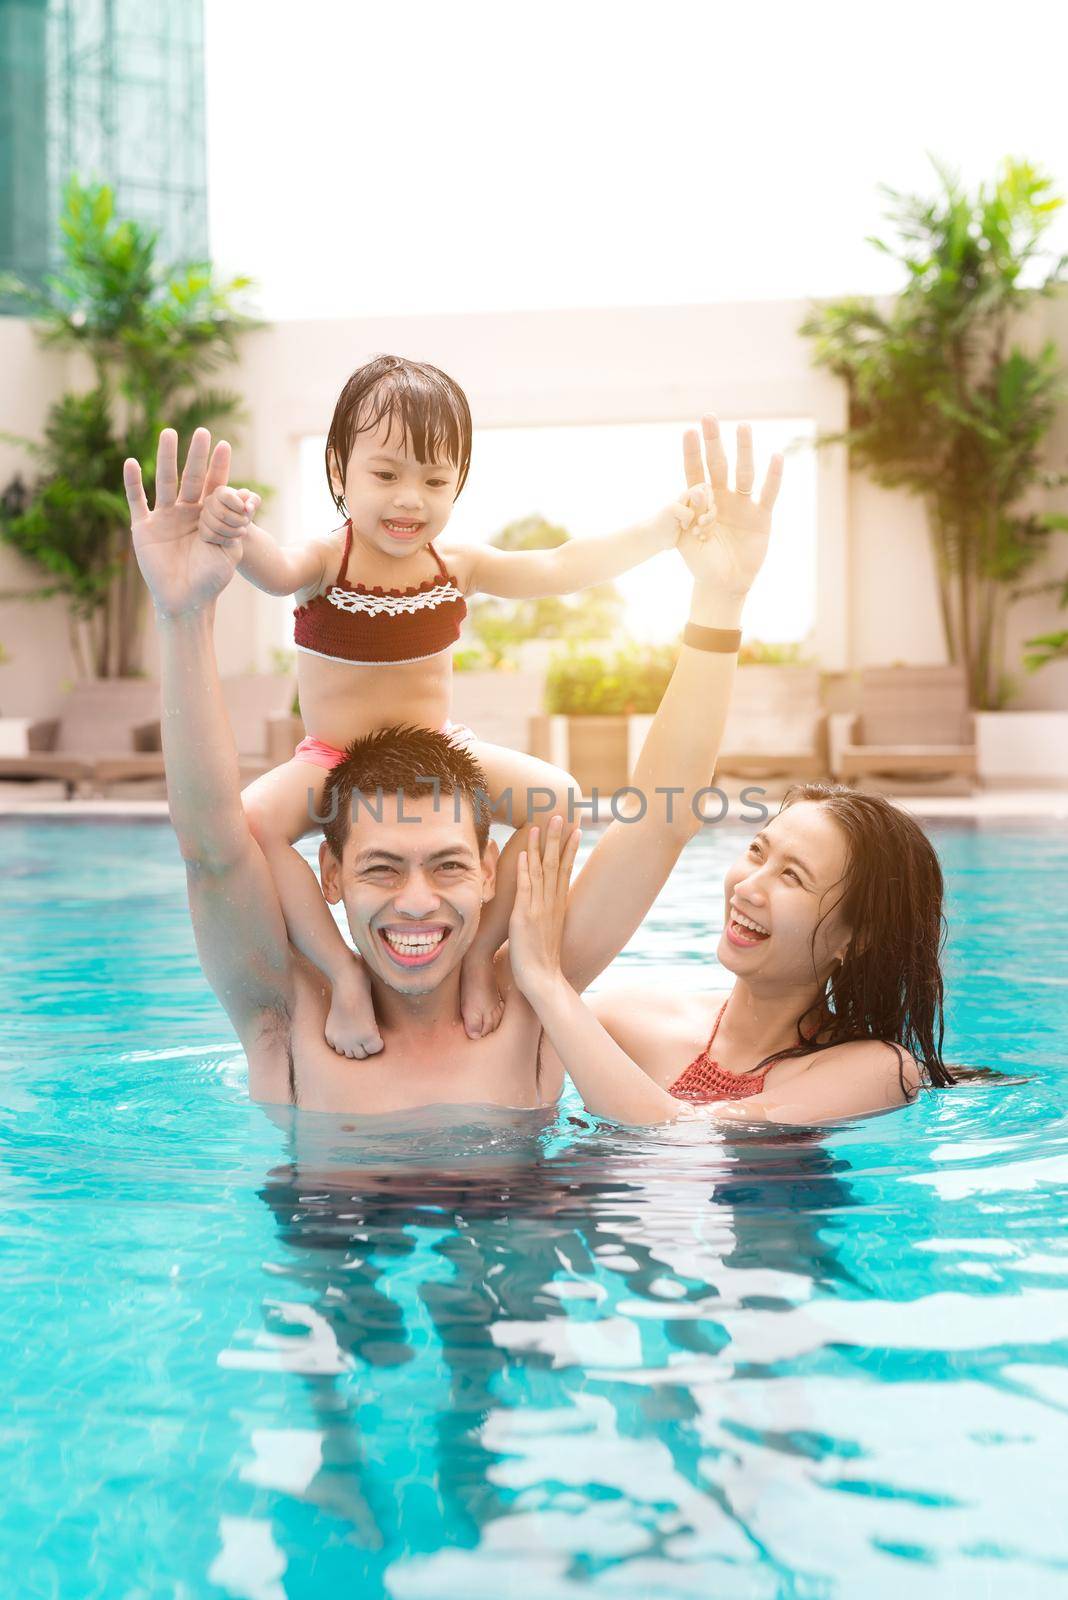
column 703, row 1080
column 376, row 626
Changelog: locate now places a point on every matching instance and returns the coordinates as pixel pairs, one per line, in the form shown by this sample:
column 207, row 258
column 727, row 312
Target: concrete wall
column 876, row 597
column 34, row 635
column 1046, row 690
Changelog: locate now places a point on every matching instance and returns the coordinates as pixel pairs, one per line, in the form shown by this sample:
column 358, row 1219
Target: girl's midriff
column 341, row 700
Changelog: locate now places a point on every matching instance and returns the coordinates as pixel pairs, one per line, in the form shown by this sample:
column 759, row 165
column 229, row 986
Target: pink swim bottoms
column 320, row 754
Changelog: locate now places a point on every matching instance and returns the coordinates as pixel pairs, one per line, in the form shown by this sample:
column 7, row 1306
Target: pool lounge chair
column 107, row 730
column 776, row 726
column 914, row 722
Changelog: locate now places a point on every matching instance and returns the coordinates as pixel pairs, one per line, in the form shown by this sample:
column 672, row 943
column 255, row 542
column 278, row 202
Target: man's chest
column 500, row 1070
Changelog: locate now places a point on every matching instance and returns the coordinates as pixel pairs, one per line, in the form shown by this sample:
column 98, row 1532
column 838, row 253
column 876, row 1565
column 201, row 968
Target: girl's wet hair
column 423, row 403
column 889, row 983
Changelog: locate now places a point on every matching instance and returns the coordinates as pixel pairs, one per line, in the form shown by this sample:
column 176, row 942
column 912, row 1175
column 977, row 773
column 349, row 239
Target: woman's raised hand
column 537, row 923
column 184, row 572
column 730, row 550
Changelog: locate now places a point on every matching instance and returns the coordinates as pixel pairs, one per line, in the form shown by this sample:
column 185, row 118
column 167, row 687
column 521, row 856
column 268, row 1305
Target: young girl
column 379, row 608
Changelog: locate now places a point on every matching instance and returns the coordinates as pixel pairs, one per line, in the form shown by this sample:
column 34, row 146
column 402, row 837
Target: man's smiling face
column 413, row 886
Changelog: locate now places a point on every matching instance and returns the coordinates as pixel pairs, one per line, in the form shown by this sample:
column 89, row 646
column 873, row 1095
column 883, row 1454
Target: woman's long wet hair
column 426, row 405
column 889, row 983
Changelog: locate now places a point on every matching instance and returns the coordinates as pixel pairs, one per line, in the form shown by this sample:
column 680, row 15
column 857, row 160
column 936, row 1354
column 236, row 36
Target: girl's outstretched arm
column 529, row 574
column 226, row 519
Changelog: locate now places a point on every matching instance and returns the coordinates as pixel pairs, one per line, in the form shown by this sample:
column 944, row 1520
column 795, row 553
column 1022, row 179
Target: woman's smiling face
column 791, row 876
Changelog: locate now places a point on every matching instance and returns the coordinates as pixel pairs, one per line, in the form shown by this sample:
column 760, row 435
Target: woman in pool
column 833, row 929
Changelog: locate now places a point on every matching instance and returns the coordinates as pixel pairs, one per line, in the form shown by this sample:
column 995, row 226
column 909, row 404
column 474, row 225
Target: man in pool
column 414, row 867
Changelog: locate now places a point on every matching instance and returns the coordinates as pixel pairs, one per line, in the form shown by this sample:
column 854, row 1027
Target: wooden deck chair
column 913, row 722
column 776, row 725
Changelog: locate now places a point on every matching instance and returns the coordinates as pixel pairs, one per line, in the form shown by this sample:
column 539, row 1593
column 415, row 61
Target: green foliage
column 151, row 334
column 943, row 403
column 755, row 652
column 628, row 682
column 530, row 533
column 500, row 626
column 73, row 526
column 1045, row 648
column 470, row 661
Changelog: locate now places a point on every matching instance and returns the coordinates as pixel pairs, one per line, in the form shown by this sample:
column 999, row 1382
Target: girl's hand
column 728, row 551
column 537, row 922
column 693, row 510
column 226, row 515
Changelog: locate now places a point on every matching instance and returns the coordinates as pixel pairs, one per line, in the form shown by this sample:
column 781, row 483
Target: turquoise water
column 481, row 1355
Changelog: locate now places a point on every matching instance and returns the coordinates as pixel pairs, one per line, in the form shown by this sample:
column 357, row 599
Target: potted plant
column 945, row 402
column 152, row 334
column 597, row 704
column 501, row 668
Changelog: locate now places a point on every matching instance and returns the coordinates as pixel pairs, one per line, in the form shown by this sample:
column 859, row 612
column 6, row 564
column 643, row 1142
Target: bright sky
column 414, row 157
column 488, row 155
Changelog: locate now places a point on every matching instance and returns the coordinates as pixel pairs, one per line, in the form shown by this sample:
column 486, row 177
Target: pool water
column 482, row 1354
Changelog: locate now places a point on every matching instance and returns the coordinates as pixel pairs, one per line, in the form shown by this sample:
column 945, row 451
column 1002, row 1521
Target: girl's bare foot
column 351, row 1028
column 480, row 1004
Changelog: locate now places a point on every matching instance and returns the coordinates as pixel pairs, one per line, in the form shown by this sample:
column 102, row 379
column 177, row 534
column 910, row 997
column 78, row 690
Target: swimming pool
column 480, row 1355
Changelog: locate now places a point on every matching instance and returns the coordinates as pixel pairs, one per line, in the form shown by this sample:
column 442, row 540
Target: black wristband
column 720, row 640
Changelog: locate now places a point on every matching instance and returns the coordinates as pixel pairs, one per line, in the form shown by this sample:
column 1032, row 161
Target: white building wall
column 33, row 634
column 892, row 589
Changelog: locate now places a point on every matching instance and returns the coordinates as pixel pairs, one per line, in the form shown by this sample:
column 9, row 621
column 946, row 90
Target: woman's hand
column 730, row 550
column 184, row 572
column 537, row 922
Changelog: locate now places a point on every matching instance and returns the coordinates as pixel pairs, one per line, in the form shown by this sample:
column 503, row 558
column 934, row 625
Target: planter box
column 595, row 750
column 601, row 752
column 1019, row 748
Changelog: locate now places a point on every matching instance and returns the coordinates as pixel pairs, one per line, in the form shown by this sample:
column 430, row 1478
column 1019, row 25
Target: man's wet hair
column 406, row 760
column 426, row 406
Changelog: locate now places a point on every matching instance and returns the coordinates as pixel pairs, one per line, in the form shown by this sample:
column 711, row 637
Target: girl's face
column 397, row 504
column 791, row 875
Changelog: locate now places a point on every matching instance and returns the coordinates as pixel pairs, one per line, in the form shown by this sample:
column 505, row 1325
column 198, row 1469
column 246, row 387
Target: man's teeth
column 414, row 944
column 747, row 922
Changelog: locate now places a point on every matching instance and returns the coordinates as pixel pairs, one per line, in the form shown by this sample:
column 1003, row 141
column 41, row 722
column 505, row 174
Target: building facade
column 112, row 91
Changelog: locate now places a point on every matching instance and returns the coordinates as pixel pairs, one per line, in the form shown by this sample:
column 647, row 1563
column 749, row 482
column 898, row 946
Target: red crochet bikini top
column 704, row 1080
column 376, row 626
